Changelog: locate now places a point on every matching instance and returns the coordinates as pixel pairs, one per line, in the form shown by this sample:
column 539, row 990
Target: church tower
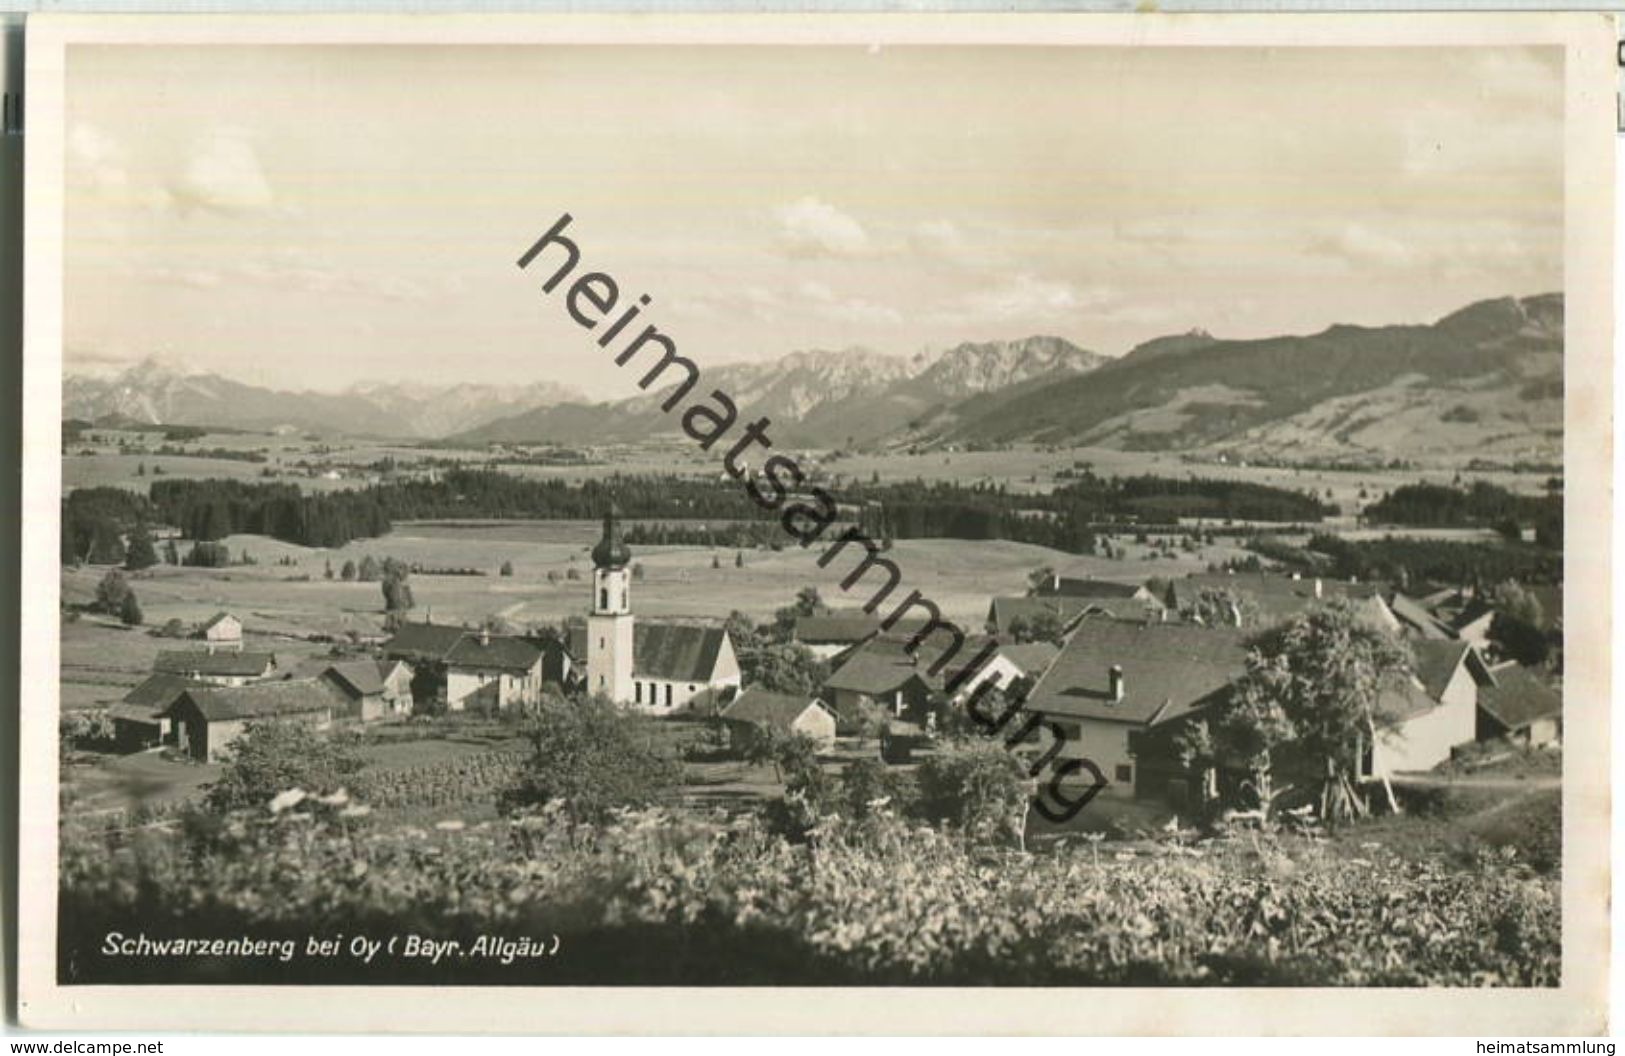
column 609, row 625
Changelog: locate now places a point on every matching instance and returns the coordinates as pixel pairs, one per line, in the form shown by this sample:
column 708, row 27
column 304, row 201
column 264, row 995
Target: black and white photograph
column 813, row 506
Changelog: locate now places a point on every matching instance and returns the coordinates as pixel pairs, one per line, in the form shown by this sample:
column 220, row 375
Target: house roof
column 1004, row 611
column 259, row 700
column 1089, row 587
column 846, row 628
column 1519, row 697
column 1470, row 614
column 388, row 665
column 761, row 707
column 676, row 652
column 360, row 678
column 1032, row 657
column 1436, row 662
column 136, row 713
column 216, row 619
column 1278, row 597
column 1403, row 701
column 424, row 641
column 157, row 692
column 1169, row 669
column 191, row 662
column 884, row 663
column 1414, row 615
column 495, row 652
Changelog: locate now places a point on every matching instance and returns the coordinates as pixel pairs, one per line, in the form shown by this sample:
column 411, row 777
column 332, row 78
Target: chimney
column 1116, row 680
column 1318, row 587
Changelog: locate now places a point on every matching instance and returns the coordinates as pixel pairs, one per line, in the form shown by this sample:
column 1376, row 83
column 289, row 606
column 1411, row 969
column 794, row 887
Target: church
column 658, row 667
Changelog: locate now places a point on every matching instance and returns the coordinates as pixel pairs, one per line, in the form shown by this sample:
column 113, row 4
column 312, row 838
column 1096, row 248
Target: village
column 1121, row 670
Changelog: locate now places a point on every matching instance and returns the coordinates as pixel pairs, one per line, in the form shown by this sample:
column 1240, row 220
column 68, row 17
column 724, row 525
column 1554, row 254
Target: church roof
column 676, row 652
column 611, row 551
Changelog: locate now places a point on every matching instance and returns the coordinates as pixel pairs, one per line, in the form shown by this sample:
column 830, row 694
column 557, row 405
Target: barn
column 758, row 714
column 139, row 721
column 222, row 631
column 208, row 720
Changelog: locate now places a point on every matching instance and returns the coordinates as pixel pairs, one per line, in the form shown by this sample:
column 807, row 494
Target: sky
column 310, row 217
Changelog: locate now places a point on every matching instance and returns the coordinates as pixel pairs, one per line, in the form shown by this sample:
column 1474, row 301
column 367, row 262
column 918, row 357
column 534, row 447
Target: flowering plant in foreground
column 659, row 897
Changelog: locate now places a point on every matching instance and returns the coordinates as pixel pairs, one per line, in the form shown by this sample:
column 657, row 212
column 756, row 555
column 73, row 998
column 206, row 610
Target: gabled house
column 139, row 719
column 359, row 683
column 885, row 674
column 1102, row 591
column 209, row 720
column 830, row 634
column 396, row 677
column 489, row 672
column 1116, row 679
column 757, row 713
column 1416, row 621
column 1521, row 707
column 218, row 669
column 417, row 643
column 1005, row 615
column 1280, row 597
column 222, row 631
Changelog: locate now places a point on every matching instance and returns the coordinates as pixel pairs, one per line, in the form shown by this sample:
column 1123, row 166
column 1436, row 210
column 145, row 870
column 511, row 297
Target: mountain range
column 1487, row 379
column 155, row 393
column 817, row 398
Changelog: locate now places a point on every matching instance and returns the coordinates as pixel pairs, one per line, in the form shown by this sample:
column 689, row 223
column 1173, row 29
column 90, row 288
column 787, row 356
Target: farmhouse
column 1116, row 679
column 1008, row 615
column 209, row 720
column 830, row 634
column 396, row 677
column 885, row 675
column 139, row 719
column 757, row 714
column 657, row 667
column 1520, row 707
column 1280, row 598
column 417, row 643
column 1101, row 591
column 1450, row 676
column 216, row 669
column 358, row 683
column 222, row 631
column 488, row 672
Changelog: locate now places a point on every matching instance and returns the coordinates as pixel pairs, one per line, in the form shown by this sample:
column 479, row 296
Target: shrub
column 594, row 758
column 271, row 758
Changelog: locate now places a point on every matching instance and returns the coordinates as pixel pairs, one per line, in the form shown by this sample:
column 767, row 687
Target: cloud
column 827, row 304
column 809, row 227
column 1361, row 246
column 1025, row 296
column 223, row 174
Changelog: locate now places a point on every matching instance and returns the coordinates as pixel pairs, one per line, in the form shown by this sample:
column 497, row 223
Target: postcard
column 1011, row 524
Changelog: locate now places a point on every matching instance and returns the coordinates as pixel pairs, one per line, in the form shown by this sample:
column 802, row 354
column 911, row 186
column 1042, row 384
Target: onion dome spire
column 611, row 551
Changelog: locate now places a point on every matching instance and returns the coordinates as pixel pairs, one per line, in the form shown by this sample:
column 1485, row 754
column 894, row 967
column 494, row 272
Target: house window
column 600, row 681
column 1125, row 773
column 600, row 641
column 603, row 597
column 637, row 692
column 668, row 694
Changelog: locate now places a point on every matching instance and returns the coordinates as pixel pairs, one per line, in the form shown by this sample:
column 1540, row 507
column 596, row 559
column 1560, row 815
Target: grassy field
column 279, row 606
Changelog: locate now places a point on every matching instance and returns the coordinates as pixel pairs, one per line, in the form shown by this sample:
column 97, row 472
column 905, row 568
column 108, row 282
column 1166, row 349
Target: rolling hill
column 1487, row 378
